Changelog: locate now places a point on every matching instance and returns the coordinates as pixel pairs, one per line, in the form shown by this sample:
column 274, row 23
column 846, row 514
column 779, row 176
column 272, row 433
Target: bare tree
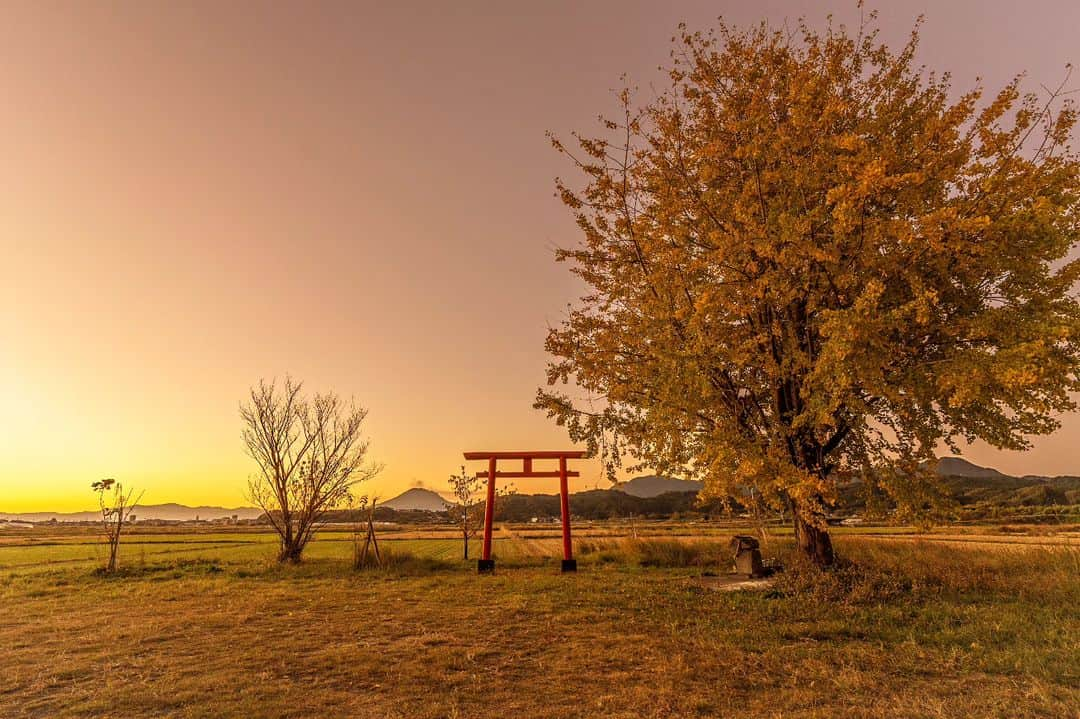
column 310, row 454
column 116, row 511
column 467, row 510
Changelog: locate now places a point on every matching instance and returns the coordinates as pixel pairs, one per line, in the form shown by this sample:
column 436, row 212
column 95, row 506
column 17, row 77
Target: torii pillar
column 487, row 563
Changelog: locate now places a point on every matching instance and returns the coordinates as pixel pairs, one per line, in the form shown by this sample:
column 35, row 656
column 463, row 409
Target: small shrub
column 846, row 582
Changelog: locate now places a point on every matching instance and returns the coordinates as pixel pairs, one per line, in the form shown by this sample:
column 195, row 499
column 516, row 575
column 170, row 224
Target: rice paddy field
column 48, row 548
column 980, row 622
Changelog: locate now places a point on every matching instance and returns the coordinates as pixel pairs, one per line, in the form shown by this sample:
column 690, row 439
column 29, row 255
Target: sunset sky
column 197, row 195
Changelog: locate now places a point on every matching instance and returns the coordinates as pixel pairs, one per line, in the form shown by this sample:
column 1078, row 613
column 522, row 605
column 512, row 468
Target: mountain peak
column 417, row 498
column 653, row 486
column 960, row 467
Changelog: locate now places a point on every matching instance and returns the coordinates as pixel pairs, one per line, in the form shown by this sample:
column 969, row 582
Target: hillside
column 959, row 467
column 983, row 492
column 1014, row 491
column 653, row 486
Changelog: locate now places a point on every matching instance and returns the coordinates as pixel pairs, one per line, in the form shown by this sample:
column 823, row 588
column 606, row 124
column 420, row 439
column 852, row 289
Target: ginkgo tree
column 810, row 262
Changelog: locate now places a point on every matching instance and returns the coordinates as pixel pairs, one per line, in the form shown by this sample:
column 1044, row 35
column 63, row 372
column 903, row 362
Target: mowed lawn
column 211, row 628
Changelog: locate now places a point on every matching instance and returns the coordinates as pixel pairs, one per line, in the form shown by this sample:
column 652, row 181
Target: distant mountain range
column 958, row 467
column 416, row 499
column 978, row 492
column 169, row 512
column 421, row 499
column 967, row 482
column 654, row 486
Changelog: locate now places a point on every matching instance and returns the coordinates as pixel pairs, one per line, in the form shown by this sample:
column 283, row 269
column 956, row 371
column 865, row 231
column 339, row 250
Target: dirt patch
column 734, row 583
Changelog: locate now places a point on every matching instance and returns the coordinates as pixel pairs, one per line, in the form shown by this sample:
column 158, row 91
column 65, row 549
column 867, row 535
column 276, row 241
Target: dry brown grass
column 912, row 631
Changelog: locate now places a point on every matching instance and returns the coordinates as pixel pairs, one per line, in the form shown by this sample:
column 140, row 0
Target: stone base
column 485, row 566
column 748, row 562
column 569, row 565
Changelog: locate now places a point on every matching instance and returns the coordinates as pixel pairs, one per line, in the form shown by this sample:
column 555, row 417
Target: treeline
column 602, row 504
column 385, row 514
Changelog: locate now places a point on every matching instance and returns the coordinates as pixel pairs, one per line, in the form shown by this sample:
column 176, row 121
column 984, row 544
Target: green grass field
column 85, row 551
column 205, row 625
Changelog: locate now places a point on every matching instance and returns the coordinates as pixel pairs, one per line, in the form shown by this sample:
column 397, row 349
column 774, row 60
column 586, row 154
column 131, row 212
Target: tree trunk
column 813, row 540
column 114, row 546
column 290, row 553
column 466, row 547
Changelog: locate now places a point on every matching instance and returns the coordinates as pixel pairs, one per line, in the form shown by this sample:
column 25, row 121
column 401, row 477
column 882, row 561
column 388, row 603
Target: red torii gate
column 486, row 563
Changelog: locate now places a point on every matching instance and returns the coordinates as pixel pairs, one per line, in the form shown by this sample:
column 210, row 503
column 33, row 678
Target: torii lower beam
column 487, row 562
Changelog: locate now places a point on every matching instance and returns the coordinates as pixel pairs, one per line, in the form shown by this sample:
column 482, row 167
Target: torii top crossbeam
column 550, row 454
column 487, row 564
